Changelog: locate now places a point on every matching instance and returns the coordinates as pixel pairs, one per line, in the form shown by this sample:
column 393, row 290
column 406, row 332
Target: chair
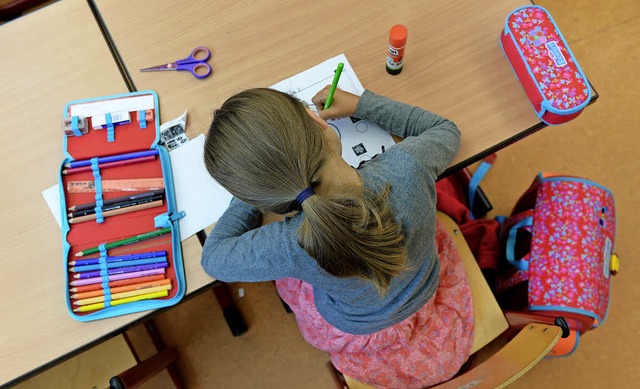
column 95, row 367
column 522, row 352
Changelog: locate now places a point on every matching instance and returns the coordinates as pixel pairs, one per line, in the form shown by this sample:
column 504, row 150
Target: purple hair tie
column 305, row 194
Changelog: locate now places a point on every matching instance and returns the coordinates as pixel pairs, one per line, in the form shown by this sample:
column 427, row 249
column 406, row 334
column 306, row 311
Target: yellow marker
column 121, row 295
column 147, row 296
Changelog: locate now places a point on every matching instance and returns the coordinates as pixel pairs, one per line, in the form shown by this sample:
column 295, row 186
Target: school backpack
column 558, row 254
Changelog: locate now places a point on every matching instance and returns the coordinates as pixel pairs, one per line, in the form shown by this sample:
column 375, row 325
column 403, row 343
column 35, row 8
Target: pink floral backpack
column 558, row 254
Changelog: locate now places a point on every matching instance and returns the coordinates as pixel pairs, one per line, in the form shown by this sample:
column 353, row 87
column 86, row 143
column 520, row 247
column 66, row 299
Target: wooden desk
column 50, row 57
column 453, row 64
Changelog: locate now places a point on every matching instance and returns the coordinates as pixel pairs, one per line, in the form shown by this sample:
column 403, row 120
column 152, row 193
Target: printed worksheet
column 361, row 140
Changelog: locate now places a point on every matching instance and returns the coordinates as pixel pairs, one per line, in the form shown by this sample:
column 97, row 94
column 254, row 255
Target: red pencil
column 109, row 164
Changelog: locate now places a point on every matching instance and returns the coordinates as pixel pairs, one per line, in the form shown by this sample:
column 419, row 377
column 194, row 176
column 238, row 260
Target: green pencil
column 126, row 241
column 334, row 85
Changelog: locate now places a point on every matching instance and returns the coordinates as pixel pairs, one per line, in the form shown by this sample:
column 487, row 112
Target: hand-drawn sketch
column 361, row 140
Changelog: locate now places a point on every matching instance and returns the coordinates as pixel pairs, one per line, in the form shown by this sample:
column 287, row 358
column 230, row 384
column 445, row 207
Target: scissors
column 196, row 63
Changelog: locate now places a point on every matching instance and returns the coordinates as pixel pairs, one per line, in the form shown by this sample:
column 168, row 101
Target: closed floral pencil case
column 544, row 64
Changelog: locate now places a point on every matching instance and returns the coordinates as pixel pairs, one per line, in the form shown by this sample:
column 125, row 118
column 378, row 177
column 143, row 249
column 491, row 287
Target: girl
column 359, row 257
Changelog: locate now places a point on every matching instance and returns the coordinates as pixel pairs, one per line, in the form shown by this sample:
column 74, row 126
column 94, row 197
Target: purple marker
column 121, row 270
column 136, row 274
column 118, row 258
column 113, row 158
column 112, row 265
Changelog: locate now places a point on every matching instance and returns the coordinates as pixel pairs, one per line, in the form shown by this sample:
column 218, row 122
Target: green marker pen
column 334, row 85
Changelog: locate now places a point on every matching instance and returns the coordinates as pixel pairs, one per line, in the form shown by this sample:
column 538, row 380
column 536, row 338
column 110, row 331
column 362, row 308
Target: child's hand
column 344, row 103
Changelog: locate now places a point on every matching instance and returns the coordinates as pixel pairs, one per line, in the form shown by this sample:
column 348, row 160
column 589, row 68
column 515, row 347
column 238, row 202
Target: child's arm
column 237, row 250
column 401, row 119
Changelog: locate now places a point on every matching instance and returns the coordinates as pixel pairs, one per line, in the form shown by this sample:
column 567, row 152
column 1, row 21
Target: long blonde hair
column 264, row 148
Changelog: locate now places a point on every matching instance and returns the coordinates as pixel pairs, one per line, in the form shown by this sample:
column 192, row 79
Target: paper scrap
column 172, row 133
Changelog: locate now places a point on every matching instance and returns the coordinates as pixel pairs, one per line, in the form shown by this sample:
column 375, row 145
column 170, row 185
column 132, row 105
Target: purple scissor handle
column 196, row 63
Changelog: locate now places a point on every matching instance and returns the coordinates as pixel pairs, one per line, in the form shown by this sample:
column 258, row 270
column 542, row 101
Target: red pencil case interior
column 114, row 191
column 544, row 64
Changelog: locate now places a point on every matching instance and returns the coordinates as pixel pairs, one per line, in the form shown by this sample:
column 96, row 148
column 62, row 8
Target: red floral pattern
column 573, row 236
column 427, row 348
column 555, row 70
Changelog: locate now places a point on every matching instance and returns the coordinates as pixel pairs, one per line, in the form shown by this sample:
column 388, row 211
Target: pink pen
column 98, row 280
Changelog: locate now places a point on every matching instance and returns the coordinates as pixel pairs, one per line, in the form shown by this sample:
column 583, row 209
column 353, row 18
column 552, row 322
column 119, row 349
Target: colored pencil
column 126, row 241
column 115, row 284
column 118, row 258
column 111, row 207
column 334, row 85
column 148, row 296
column 109, row 164
column 115, row 296
column 115, row 200
column 125, row 288
column 118, row 211
column 112, row 158
column 116, row 277
column 120, row 270
column 112, row 265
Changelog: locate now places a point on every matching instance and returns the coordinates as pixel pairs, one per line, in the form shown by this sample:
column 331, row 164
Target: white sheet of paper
column 361, row 140
column 197, row 194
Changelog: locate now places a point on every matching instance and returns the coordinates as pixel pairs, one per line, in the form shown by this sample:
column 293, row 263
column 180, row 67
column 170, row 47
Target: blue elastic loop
column 511, row 243
column 478, row 175
column 164, row 220
column 98, row 186
column 110, row 128
column 141, row 119
column 74, row 126
column 104, row 275
column 305, row 194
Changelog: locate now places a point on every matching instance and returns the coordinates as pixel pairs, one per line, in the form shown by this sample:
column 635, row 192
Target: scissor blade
column 166, row 66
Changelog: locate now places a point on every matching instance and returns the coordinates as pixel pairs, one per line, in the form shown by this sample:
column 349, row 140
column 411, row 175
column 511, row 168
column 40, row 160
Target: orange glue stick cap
column 398, row 36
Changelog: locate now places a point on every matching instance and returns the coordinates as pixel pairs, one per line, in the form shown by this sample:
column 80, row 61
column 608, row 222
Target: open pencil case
column 120, row 234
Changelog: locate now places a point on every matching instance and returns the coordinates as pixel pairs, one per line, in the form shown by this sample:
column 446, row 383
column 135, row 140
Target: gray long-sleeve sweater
column 238, row 249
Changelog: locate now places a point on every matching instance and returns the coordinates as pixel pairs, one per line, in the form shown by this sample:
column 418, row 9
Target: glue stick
column 397, row 41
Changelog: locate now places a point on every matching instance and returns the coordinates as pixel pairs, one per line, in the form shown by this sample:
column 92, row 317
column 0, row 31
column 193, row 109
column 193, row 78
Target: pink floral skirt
column 425, row 349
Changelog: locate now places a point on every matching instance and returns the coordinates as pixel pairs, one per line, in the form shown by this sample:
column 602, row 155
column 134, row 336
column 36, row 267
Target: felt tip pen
column 112, row 158
column 119, row 258
column 334, row 85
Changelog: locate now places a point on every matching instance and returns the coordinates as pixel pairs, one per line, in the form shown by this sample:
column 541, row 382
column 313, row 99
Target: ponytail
column 354, row 235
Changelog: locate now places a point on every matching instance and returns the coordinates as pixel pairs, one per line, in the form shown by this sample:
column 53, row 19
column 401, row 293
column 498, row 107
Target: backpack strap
column 478, row 175
column 523, row 263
